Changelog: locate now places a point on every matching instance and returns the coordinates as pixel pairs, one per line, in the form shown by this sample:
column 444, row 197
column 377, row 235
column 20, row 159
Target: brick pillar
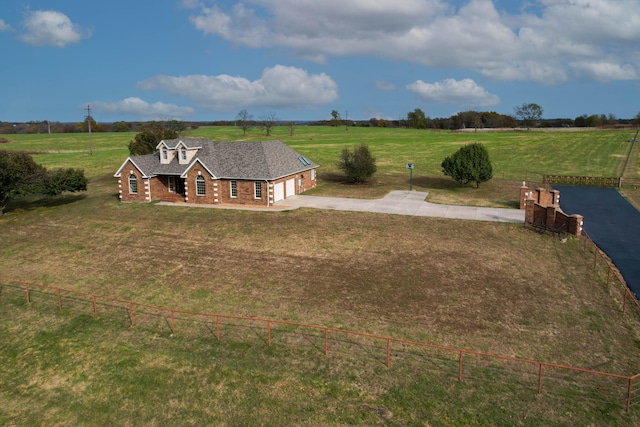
column 551, row 217
column 555, row 197
column 530, row 209
column 524, row 194
column 543, row 197
column 575, row 224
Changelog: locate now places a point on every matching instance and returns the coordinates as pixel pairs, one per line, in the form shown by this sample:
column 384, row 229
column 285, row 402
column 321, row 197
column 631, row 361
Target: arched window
column 133, row 184
column 200, row 188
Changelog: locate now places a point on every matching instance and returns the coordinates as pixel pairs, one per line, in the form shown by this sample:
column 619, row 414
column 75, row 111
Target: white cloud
column 50, row 28
column 4, row 26
column 243, row 27
column 464, row 93
column 605, row 71
column 143, row 110
column 546, row 45
column 278, row 87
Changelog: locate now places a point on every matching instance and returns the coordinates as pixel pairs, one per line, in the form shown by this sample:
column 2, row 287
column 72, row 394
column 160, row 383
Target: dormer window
column 183, row 154
column 165, row 154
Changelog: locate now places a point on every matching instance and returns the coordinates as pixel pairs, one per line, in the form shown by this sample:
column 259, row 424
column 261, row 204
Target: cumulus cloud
column 51, row 28
column 143, row 110
column 464, row 93
column 548, row 43
column 278, row 87
column 4, row 26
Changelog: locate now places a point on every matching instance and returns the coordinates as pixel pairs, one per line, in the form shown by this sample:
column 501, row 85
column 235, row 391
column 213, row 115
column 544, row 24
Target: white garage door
column 278, row 191
column 291, row 187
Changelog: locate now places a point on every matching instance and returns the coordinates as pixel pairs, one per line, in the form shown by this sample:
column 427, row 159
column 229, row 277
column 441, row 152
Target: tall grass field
column 488, row 287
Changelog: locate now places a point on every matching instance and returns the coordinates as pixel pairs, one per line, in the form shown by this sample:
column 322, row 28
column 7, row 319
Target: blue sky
column 301, row 59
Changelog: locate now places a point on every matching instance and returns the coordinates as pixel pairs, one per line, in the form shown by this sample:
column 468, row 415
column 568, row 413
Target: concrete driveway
column 403, row 203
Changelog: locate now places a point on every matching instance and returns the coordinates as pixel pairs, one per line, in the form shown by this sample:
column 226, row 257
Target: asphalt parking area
column 612, row 223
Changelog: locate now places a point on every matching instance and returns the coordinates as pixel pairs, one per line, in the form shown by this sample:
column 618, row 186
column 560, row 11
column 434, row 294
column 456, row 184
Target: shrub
column 469, row 164
column 359, row 164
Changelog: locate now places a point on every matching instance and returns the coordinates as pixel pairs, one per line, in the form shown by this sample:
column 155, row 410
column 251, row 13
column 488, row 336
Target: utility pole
column 89, row 123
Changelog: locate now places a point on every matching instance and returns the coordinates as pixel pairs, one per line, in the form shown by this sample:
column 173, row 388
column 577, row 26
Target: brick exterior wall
column 143, row 193
column 216, row 191
column 190, row 193
column 160, row 189
column 542, row 208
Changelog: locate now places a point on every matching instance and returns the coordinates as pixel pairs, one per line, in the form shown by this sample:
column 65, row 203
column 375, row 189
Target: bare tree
column 268, row 121
column 244, row 118
column 529, row 114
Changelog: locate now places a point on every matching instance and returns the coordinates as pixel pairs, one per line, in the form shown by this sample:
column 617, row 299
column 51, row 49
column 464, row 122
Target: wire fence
column 455, row 363
column 605, row 268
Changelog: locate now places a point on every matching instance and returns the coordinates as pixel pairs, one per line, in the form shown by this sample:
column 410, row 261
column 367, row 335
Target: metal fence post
column 388, row 352
column 629, row 393
column 95, row 308
column 28, row 297
column 269, row 332
column 131, row 313
column 540, row 379
column 326, row 341
column 218, row 327
column 460, row 368
column 173, row 326
column 59, row 300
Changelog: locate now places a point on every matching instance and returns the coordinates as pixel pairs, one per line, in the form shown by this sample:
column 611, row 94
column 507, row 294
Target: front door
column 180, row 186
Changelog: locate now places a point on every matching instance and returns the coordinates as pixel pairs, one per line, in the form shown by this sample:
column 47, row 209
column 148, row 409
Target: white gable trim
column 162, row 143
column 118, row 173
column 197, row 160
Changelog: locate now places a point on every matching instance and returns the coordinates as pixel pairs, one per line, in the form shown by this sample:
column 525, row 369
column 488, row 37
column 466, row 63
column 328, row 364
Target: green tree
column 336, row 120
column 120, row 127
column 530, row 114
column 95, row 127
column 469, row 164
column 66, row 180
column 359, row 165
column 417, row 119
column 21, row 175
column 146, row 141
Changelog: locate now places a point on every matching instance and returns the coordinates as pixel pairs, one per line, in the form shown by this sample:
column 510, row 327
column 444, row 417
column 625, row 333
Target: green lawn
column 513, row 154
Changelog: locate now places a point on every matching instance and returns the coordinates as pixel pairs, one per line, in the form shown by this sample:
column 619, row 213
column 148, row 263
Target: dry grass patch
column 445, row 281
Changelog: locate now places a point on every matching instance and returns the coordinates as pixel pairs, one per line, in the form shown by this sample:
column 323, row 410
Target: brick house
column 201, row 171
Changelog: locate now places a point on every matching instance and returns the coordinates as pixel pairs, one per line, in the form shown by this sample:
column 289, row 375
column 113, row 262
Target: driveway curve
column 403, row 203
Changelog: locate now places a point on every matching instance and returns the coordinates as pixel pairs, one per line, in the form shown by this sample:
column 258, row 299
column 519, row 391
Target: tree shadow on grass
column 437, row 182
column 28, row 203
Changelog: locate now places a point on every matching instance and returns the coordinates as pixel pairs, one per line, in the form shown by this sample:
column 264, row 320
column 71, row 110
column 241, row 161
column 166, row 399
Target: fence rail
column 539, row 373
column 594, row 181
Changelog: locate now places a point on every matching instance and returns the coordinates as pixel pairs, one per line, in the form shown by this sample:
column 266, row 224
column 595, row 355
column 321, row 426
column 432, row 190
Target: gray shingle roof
column 266, row 160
